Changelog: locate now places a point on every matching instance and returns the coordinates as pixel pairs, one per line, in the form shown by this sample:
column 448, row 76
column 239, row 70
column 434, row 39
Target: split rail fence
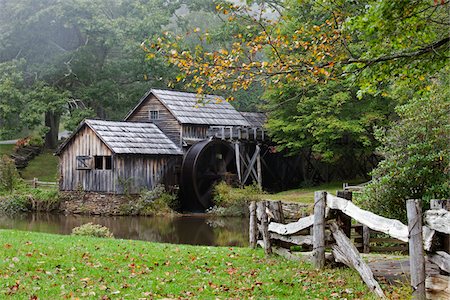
column 330, row 227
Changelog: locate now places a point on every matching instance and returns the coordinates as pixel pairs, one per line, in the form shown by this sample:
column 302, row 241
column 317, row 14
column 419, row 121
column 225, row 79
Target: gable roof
column 190, row 108
column 255, row 119
column 129, row 137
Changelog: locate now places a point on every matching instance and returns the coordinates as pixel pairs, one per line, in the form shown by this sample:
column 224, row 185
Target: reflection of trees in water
column 196, row 230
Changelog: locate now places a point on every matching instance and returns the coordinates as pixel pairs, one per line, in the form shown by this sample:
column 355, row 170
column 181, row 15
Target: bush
column 230, row 201
column 416, row 154
column 14, row 204
column 94, row 230
column 9, row 177
column 154, row 202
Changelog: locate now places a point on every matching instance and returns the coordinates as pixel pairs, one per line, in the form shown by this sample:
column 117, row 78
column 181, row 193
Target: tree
column 332, row 69
column 88, row 49
column 416, row 154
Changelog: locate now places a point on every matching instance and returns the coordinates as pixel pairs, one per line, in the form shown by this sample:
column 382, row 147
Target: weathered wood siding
column 85, row 143
column 195, row 131
column 135, row 173
column 166, row 122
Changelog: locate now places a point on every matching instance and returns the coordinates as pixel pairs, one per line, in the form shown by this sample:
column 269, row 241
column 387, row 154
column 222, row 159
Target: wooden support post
column 262, row 206
column 416, row 253
column 345, row 252
column 319, row 230
column 237, row 152
column 258, row 167
column 34, row 183
column 366, row 239
column 344, row 221
column 253, row 230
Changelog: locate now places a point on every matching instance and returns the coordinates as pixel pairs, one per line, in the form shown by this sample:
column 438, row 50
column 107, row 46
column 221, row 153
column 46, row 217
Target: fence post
column 344, row 221
column 319, row 230
column 416, row 252
column 253, row 228
column 34, row 183
column 262, row 205
column 366, row 239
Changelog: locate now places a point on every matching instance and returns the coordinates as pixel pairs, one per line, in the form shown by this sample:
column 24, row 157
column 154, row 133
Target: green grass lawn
column 306, row 195
column 6, row 149
column 58, row 267
column 44, row 167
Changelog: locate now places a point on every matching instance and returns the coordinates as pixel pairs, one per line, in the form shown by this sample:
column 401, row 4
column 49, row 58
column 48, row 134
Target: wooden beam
column 438, row 220
column 345, row 252
column 319, row 230
column 438, row 287
column 292, row 228
column 258, row 167
column 416, row 253
column 253, row 171
column 441, row 259
column 237, row 152
column 251, row 165
column 392, row 227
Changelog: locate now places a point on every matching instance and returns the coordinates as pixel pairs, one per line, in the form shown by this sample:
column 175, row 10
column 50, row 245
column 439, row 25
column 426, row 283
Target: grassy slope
column 55, row 267
column 306, row 195
column 44, row 167
column 6, row 149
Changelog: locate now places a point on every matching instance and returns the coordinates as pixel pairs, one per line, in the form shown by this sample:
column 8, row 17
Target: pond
column 184, row 229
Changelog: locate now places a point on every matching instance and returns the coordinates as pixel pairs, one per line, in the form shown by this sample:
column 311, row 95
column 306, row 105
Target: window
column 154, row 114
column 98, row 162
column 108, row 162
column 84, row 162
column 103, row 162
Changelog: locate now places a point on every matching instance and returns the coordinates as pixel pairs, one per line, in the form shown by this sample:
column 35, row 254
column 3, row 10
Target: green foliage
column 157, row 201
column 93, row 230
column 230, row 201
column 9, row 177
column 76, row 116
column 14, row 204
column 416, row 154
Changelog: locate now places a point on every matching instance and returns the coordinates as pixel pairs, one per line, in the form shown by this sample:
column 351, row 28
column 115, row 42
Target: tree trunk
column 52, row 122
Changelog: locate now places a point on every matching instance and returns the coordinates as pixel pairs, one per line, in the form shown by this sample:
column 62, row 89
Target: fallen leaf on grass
column 14, row 288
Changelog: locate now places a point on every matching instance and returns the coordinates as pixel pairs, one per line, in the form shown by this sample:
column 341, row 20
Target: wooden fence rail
column 36, row 183
column 330, row 228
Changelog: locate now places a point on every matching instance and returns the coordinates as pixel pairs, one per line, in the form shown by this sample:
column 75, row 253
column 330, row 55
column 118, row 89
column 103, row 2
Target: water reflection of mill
column 192, row 229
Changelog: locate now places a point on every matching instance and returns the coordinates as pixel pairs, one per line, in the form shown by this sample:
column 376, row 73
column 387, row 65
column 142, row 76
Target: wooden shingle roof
column 191, row 108
column 256, row 119
column 130, row 138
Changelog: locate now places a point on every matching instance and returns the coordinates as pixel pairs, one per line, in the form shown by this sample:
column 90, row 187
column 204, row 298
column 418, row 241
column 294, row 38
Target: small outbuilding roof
column 129, row 138
column 191, row 108
column 256, row 119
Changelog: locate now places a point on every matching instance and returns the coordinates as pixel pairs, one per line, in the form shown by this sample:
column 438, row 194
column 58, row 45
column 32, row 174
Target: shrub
column 416, row 154
column 14, row 204
column 44, row 199
column 154, row 202
column 9, row 177
column 94, row 230
column 230, row 201
column 36, row 141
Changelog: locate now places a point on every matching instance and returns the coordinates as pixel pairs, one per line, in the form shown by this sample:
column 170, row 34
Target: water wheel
column 204, row 164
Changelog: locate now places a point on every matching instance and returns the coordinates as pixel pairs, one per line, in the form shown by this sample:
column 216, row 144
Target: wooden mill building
column 170, row 137
column 117, row 157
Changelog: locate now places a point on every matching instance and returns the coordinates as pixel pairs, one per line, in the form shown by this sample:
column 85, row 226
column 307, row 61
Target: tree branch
column 421, row 51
